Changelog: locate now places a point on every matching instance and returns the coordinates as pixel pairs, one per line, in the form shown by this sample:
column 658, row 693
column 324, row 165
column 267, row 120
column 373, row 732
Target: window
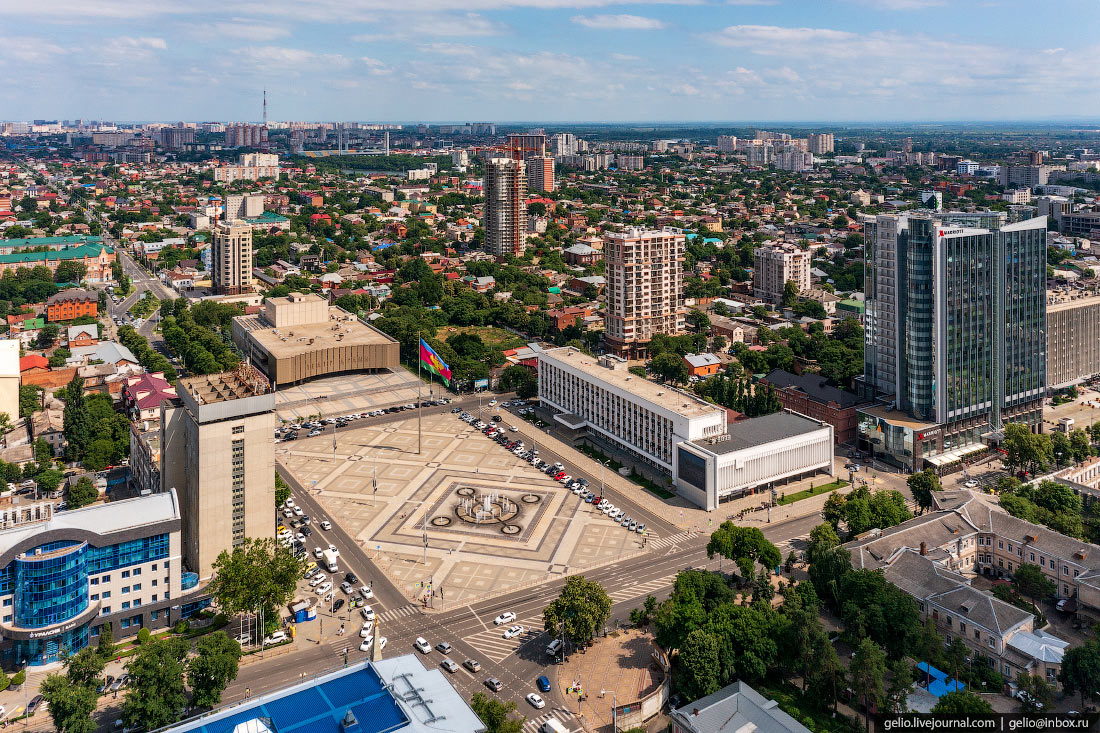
column 137, row 603
column 7, row 601
column 125, row 573
column 106, row 578
column 94, row 597
column 1042, row 561
column 124, row 623
column 977, row 635
column 125, row 589
column 1010, row 547
column 154, row 566
column 1000, row 544
column 106, row 594
column 1019, row 552
column 1065, row 570
column 106, row 610
column 154, row 615
column 154, row 582
column 154, row 598
column 137, row 571
column 921, row 607
column 125, row 605
column 962, row 627
column 1000, row 563
column 137, row 587
column 989, row 641
column 94, row 581
column 1065, row 590
column 1032, row 556
column 238, row 429
column 1010, row 567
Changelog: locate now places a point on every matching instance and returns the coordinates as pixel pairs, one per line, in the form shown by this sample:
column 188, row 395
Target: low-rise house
column 736, row 708
column 49, row 425
column 813, row 396
column 702, row 365
column 70, row 304
column 86, row 335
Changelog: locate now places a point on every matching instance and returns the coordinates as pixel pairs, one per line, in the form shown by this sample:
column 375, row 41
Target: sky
column 550, row 60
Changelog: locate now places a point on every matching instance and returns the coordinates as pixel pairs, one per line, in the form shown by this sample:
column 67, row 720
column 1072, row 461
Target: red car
column 558, row 476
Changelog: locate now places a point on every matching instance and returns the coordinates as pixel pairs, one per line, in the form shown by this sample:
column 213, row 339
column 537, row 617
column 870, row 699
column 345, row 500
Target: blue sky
column 550, row 60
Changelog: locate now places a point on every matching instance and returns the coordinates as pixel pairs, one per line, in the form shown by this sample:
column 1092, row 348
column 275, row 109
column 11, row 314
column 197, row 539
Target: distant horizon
column 898, row 61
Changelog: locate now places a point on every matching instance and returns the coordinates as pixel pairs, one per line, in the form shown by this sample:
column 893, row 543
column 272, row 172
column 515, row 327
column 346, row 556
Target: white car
column 421, row 644
column 505, row 618
column 347, row 588
column 289, row 503
column 243, row 639
column 277, row 638
column 513, row 428
column 369, row 641
column 368, row 613
column 513, row 631
column 366, row 592
column 323, row 588
column 332, row 548
column 326, row 525
column 298, row 511
column 492, row 403
column 288, row 513
column 536, row 700
column 318, row 552
column 367, row 630
column 317, row 580
column 971, row 484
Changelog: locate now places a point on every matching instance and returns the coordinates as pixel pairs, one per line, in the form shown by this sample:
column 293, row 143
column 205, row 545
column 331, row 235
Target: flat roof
column 666, row 397
column 896, row 417
column 757, row 431
column 293, row 340
column 244, row 381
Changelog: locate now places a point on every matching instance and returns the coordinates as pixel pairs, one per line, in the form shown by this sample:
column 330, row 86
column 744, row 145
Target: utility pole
column 419, row 409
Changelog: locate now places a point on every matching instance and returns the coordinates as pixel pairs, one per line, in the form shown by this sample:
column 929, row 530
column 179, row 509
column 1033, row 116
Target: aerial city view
column 587, row 366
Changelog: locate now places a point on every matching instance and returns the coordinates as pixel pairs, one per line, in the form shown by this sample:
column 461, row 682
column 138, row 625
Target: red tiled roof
column 33, row 361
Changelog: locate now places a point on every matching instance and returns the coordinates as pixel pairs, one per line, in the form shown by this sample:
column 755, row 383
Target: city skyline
column 502, row 59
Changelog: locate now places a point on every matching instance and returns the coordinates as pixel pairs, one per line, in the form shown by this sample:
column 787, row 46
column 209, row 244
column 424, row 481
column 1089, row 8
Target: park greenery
column 579, row 611
column 259, row 575
column 96, row 434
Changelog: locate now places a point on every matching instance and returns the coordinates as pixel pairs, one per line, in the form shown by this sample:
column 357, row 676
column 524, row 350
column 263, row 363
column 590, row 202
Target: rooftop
column 736, row 708
column 69, row 253
column 816, row 387
column 342, row 329
column 244, row 381
column 395, row 695
column 667, row 398
column 757, row 431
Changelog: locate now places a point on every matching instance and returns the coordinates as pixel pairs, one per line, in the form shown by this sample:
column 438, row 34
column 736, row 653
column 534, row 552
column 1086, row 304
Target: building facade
column 645, row 295
column 231, row 258
column 505, row 216
column 820, row 143
column 217, row 453
column 727, row 143
column 955, row 337
column 811, row 395
column 1073, row 337
column 96, row 259
column 70, row 304
column 540, row 173
column 775, row 265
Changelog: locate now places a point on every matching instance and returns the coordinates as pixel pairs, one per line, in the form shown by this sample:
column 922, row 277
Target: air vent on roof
column 1080, row 554
column 1030, row 538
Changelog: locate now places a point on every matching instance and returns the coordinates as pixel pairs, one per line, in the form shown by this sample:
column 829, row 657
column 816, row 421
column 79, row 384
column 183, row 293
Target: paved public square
column 464, row 517
column 344, row 393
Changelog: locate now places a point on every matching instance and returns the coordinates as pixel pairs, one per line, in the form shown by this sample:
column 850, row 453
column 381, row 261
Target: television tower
column 264, row 145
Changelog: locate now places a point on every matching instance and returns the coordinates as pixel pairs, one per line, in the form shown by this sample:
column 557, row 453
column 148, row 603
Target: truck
column 553, row 725
column 329, row 557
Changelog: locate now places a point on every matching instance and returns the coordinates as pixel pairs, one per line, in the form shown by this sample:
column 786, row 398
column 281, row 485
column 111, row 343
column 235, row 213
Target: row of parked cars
column 556, row 471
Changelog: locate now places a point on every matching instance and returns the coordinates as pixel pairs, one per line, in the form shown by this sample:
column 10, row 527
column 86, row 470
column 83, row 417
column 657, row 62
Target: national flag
column 432, row 362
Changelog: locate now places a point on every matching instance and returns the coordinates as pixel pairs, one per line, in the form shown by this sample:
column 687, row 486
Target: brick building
column 811, row 395
column 70, row 304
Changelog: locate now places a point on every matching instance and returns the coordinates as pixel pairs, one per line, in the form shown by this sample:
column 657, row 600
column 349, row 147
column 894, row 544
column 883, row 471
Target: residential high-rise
column 955, row 334
column 218, row 454
column 243, row 207
column 526, row 145
column 231, row 257
column 777, row 264
column 245, row 136
column 645, row 293
column 625, row 162
column 505, row 217
column 727, row 143
column 540, row 173
column 1073, row 337
column 1024, row 176
column 820, row 143
column 564, row 143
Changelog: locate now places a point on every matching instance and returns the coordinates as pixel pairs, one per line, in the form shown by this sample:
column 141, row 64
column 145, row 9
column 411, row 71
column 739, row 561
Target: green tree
column 82, row 493
column 30, row 399
column 106, row 646
column 259, row 574
column 868, row 671
column 829, row 562
column 670, row 367
column 956, row 655
column 579, row 611
column 1029, row 580
column 790, row 294
column 282, row 491
column 1025, row 450
column 827, row 674
column 697, row 666
column 85, row 668
column 1041, row 692
column 77, row 421
column 901, row 681
column 156, row 695
column 215, row 665
column 496, row 714
column 745, row 546
column 520, row 380
column 71, row 705
column 922, row 485
column 961, row 703
column 1080, row 671
column 47, row 335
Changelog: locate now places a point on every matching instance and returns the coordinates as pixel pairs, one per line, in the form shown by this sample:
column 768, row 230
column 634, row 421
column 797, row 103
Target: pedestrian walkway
column 491, row 643
column 641, row 589
column 671, row 540
column 393, row 613
column 562, row 715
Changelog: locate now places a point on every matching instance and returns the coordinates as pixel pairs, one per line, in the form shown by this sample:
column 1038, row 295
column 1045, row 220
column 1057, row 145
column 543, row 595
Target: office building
column 64, row 576
column 966, row 167
column 231, row 258
column 96, row 258
column 243, row 207
column 383, row 696
column 645, row 294
column 774, row 265
column 70, row 304
column 727, row 143
column 955, row 335
column 1073, row 337
column 599, row 400
column 218, row 453
column 245, row 136
column 820, row 143
column 505, row 216
column 300, row 337
column 540, row 173
column 1024, row 176
column 931, row 199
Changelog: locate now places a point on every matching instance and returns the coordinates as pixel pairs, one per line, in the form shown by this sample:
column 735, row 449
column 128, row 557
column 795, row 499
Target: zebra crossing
column 641, row 589
column 662, row 542
column 562, row 715
column 491, row 643
column 394, row 613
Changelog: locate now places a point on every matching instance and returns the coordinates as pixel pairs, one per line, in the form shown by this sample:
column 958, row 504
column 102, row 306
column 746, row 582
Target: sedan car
column 325, row 525
column 505, row 618
column 449, row 665
column 323, row 588
column 513, row 631
column 472, row 664
column 318, row 580
column 444, row 647
column 536, row 700
column 368, row 613
column 543, row 683
column 337, row 604
column 347, row 588
column 369, row 642
column 494, row 684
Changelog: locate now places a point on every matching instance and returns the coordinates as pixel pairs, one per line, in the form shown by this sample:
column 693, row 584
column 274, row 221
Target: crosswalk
column 491, row 643
column 662, row 542
column 641, row 589
column 394, row 613
column 562, row 715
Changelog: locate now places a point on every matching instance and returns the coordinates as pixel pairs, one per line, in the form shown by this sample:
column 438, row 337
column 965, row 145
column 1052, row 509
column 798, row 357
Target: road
column 470, row 628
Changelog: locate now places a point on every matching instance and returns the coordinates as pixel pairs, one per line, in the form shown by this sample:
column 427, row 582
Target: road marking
column 474, row 614
column 492, row 644
column 671, row 540
column 396, row 613
column 562, row 715
column 640, row 589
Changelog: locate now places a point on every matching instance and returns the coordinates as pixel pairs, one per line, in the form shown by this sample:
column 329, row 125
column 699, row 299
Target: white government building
column 677, row 432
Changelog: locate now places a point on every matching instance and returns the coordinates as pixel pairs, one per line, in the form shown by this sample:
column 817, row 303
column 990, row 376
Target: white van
column 553, row 647
column 553, row 726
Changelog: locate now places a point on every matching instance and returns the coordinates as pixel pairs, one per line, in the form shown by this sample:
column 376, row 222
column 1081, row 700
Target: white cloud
column 752, row 2
column 903, row 4
column 291, row 60
column 618, row 22
column 443, row 25
column 28, row 50
column 248, row 30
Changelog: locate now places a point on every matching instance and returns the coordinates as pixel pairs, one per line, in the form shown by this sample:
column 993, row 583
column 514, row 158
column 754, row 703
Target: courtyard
column 460, row 521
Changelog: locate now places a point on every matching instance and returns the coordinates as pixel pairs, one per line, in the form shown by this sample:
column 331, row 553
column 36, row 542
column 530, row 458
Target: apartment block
column 820, row 143
column 243, row 207
column 775, row 265
column 231, row 258
column 1073, row 337
column 644, row 288
column 505, row 216
column 219, row 456
column 540, row 173
column 727, row 143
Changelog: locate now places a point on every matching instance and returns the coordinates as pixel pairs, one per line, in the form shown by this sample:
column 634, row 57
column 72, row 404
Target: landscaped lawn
column 493, row 337
column 815, row 491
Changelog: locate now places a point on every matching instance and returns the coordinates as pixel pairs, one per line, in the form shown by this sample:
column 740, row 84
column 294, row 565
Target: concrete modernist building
column 231, row 258
column 820, row 143
column 1073, row 337
column 955, row 334
column 243, row 207
column 300, row 337
column 218, row 453
column 645, row 294
column 505, row 216
column 675, row 432
column 774, row 265
column 540, row 173
column 1024, row 176
column 752, row 455
column 62, row 576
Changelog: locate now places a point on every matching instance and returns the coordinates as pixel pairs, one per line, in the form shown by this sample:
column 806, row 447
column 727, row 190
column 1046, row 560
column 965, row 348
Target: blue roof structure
column 939, row 688
column 931, row 671
column 396, row 695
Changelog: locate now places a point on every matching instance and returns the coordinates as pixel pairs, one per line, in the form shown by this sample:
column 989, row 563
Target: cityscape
column 395, row 374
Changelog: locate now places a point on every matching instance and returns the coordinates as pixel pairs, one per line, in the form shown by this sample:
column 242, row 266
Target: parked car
column 505, row 618
column 276, row 638
column 421, row 645
column 449, row 665
column 472, row 664
column 444, row 647
column 494, row 684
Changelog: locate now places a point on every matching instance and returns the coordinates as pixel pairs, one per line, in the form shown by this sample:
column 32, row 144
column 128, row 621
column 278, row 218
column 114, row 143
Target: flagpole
column 419, row 408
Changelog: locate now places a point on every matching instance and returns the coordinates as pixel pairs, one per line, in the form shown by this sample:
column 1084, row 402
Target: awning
column 956, row 454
